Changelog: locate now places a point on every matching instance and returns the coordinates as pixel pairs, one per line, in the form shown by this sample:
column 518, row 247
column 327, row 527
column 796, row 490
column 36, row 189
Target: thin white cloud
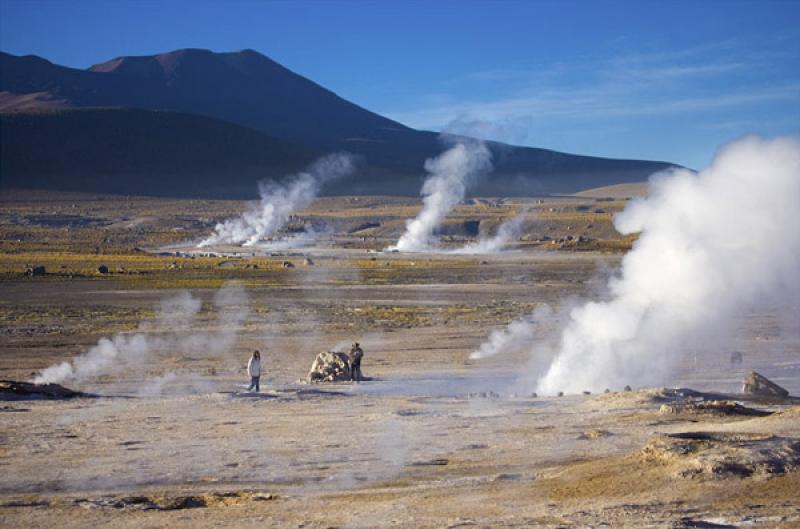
column 585, row 104
column 694, row 79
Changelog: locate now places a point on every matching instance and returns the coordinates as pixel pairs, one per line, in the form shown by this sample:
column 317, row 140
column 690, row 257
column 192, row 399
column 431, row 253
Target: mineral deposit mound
column 721, row 455
column 330, row 366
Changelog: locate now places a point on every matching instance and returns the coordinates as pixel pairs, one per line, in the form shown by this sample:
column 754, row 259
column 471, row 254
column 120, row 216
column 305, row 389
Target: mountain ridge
column 250, row 90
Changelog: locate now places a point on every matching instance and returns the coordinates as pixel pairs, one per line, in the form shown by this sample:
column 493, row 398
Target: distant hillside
column 128, row 151
column 629, row 190
column 250, row 90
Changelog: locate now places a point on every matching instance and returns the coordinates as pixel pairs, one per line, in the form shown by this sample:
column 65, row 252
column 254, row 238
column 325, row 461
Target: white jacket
column 254, row 367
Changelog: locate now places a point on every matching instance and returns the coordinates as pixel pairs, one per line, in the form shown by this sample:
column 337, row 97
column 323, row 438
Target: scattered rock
column 431, row 463
column 261, row 496
column 287, row 264
column 688, row 523
column 508, row 477
column 711, row 407
column 594, row 434
column 483, row 395
column 26, row 503
column 365, row 226
column 409, row 412
column 14, row 390
column 308, row 261
column 330, row 366
column 757, row 384
column 34, row 271
column 173, row 503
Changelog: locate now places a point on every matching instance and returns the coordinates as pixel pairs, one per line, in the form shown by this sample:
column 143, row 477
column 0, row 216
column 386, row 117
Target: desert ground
column 433, row 439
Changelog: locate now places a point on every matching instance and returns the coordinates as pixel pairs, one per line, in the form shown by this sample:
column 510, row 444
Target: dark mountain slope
column 249, row 89
column 140, row 152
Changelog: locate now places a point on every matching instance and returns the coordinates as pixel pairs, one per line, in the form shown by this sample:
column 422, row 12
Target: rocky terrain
column 435, row 439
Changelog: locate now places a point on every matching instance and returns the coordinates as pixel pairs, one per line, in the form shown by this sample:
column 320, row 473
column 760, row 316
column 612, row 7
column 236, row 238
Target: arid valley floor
column 435, row 439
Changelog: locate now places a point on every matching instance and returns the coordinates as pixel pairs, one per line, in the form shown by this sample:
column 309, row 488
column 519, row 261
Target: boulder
column 330, row 366
column 102, row 269
column 757, row 384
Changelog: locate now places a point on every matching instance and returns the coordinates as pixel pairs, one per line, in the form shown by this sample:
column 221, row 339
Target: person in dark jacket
column 356, row 354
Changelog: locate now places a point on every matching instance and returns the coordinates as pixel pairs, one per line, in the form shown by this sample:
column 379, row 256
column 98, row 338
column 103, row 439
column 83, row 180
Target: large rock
column 757, row 384
column 330, row 366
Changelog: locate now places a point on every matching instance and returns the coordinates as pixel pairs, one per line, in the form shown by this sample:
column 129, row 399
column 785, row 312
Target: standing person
column 254, row 370
column 356, row 354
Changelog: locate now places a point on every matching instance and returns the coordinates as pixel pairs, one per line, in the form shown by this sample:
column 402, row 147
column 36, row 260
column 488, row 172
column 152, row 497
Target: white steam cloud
column 170, row 332
column 518, row 335
column 711, row 245
column 451, row 173
column 279, row 200
column 507, row 232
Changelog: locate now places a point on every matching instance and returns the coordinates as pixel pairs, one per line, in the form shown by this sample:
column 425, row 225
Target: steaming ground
column 178, row 444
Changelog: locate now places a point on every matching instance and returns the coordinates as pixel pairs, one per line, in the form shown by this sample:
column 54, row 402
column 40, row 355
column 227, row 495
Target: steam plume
column 115, row 353
column 451, row 173
column 507, row 232
column 169, row 332
column 278, row 200
column 518, row 335
column 711, row 244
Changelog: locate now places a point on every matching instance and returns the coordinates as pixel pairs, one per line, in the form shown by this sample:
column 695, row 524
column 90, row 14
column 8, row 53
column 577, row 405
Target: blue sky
column 666, row 80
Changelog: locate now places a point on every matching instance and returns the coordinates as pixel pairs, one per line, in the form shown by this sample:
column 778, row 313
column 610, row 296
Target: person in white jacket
column 254, row 370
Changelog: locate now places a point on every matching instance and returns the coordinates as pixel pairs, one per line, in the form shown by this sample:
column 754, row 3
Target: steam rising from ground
column 712, row 244
column 507, row 232
column 278, row 201
column 450, row 175
column 517, row 336
column 171, row 332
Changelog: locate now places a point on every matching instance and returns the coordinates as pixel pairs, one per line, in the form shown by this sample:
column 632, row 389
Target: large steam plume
column 279, row 200
column 711, row 245
column 170, row 332
column 450, row 175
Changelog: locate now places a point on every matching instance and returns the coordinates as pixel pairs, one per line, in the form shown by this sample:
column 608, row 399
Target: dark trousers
column 355, row 371
column 254, row 383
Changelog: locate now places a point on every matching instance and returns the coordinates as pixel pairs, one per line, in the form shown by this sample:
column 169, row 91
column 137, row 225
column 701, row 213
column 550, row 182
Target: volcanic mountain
column 212, row 124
